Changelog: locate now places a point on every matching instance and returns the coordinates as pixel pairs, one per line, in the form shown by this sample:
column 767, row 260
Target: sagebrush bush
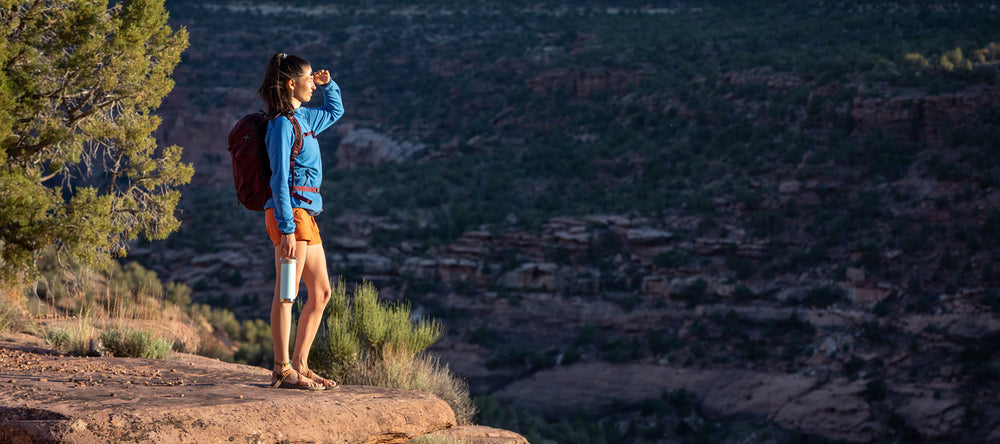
column 135, row 343
column 375, row 343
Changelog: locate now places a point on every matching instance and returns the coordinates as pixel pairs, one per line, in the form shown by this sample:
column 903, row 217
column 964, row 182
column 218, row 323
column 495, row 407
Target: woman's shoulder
column 281, row 123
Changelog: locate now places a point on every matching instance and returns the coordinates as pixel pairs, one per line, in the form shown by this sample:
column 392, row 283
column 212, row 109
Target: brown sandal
column 286, row 370
column 327, row 383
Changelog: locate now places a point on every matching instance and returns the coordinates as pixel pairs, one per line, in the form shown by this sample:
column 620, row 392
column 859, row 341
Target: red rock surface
column 45, row 397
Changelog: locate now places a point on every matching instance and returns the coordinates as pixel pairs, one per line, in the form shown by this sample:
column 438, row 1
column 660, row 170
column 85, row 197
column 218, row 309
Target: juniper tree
column 79, row 169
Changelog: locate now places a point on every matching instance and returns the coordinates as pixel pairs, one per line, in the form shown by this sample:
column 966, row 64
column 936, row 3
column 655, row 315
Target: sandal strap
column 317, row 378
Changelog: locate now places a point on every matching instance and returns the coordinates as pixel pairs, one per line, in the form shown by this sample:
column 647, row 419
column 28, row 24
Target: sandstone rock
column 478, row 435
column 648, row 236
column 835, row 411
column 921, row 117
column 349, row 243
column 655, row 286
column 372, row 263
column 234, row 259
column 196, row 399
column 829, row 346
column 419, row 268
column 711, row 247
column 575, row 241
column 866, row 296
column 855, row 275
column 609, row 219
column 789, row 187
column 363, row 146
column 934, row 415
column 457, row 269
column 582, row 83
column 531, row 276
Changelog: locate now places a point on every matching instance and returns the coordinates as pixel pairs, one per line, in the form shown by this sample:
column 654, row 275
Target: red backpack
column 251, row 167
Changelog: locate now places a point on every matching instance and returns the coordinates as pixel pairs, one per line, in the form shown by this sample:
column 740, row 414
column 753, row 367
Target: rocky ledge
column 45, row 397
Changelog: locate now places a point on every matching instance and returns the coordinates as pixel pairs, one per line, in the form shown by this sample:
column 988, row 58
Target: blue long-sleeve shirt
column 308, row 165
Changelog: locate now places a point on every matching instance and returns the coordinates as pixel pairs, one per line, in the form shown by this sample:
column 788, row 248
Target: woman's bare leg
column 317, row 281
column 281, row 312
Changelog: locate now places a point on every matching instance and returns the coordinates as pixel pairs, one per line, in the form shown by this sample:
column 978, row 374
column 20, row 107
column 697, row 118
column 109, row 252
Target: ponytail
column 280, row 69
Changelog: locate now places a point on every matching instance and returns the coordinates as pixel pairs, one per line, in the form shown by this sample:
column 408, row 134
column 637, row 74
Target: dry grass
column 120, row 312
column 423, row 372
column 73, row 338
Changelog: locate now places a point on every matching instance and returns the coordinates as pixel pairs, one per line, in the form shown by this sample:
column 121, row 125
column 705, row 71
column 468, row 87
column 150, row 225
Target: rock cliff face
column 814, row 370
column 50, row 398
column 922, row 117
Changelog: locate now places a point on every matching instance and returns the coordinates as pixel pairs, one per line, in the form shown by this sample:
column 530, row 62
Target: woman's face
column 302, row 87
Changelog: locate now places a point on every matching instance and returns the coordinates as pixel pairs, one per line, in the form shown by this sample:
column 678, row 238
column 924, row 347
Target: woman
column 288, row 83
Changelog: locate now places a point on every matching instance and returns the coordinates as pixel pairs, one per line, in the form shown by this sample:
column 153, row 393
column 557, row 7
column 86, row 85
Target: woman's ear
column 290, row 84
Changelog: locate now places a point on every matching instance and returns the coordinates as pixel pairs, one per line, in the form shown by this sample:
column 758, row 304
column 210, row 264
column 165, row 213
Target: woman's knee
column 322, row 296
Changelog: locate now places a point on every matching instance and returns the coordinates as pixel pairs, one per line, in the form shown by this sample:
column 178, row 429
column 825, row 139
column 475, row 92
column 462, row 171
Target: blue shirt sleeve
column 322, row 117
column 280, row 137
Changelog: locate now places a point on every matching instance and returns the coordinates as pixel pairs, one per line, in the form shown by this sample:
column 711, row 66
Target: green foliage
column 135, row 343
column 693, row 293
column 367, row 341
column 79, row 168
column 672, row 258
column 256, row 344
column 875, row 390
column 71, row 338
column 822, row 297
column 365, row 326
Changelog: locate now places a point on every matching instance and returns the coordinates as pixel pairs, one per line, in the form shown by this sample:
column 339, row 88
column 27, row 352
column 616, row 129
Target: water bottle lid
column 287, row 260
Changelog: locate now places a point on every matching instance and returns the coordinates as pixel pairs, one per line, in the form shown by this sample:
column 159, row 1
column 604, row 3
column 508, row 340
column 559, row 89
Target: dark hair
column 280, row 69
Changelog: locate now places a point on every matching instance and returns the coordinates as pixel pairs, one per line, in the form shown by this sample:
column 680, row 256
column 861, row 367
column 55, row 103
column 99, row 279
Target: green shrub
column 71, row 339
column 220, row 318
column 672, row 258
column 875, row 390
column 369, row 342
column 135, row 343
column 694, row 293
column 822, row 297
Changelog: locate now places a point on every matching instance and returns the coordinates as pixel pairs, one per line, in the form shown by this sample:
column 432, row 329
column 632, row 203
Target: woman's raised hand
column 321, row 77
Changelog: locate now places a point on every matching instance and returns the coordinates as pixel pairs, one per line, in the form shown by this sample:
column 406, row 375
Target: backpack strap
column 296, row 149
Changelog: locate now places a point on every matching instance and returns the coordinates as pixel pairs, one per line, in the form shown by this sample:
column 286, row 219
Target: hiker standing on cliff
column 288, row 83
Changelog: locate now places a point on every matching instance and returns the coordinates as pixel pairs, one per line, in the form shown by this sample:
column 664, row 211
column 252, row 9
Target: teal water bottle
column 287, row 283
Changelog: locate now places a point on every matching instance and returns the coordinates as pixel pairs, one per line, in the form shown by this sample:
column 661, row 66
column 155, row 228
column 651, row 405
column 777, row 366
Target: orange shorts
column 305, row 227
